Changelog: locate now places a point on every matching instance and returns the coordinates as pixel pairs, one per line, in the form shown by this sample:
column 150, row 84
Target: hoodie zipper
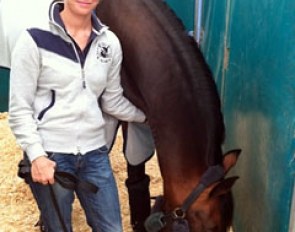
column 81, row 65
column 83, row 78
column 77, row 55
column 81, row 97
column 78, row 147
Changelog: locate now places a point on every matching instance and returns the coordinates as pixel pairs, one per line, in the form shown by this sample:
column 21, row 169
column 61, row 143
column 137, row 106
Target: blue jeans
column 102, row 209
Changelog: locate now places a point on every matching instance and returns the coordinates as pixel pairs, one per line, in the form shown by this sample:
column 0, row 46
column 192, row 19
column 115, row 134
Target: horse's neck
column 180, row 62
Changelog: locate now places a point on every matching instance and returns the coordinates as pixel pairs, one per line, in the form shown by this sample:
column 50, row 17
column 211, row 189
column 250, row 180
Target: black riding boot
column 139, row 196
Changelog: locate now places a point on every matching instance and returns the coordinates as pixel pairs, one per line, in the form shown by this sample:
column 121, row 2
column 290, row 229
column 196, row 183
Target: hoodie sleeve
column 25, row 67
column 112, row 101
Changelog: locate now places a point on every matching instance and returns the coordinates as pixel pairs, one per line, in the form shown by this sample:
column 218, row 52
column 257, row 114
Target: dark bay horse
column 165, row 74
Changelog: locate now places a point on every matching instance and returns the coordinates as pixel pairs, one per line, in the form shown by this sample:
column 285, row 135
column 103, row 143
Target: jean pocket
column 50, row 155
column 103, row 150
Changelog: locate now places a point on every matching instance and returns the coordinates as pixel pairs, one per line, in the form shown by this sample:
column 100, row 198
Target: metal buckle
column 178, row 213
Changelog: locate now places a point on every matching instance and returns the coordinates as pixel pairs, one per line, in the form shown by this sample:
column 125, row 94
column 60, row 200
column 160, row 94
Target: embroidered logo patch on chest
column 103, row 52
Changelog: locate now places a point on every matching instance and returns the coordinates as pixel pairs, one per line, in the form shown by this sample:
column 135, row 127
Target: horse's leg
column 137, row 184
column 138, row 147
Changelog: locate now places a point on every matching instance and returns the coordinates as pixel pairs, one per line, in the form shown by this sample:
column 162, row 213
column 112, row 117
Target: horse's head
column 213, row 210
column 207, row 208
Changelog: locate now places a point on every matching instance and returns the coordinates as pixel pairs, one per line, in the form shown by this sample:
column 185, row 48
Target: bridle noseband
column 157, row 221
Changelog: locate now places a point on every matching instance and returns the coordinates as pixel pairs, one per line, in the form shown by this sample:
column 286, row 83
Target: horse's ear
column 223, row 186
column 230, row 159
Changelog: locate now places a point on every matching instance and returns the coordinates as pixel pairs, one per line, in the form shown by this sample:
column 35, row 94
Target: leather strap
column 65, row 179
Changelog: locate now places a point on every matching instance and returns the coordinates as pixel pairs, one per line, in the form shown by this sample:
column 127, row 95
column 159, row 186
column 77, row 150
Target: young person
column 64, row 75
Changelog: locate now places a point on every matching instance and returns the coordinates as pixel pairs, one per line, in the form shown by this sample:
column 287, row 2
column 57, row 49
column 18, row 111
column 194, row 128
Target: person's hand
column 43, row 170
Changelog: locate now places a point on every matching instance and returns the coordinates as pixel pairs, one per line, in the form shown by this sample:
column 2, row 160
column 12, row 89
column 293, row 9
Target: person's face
column 81, row 7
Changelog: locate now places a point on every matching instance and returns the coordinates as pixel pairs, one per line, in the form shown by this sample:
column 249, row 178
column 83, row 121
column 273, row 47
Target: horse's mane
column 199, row 77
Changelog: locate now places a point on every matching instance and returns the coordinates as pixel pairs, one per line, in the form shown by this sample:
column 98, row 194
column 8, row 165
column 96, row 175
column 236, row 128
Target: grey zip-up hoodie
column 54, row 89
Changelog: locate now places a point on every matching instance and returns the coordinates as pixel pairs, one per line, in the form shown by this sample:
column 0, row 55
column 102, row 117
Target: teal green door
column 250, row 46
column 4, row 83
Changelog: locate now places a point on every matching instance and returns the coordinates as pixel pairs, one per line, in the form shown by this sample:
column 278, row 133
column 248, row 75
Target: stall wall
column 4, row 83
column 250, row 48
column 4, row 74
